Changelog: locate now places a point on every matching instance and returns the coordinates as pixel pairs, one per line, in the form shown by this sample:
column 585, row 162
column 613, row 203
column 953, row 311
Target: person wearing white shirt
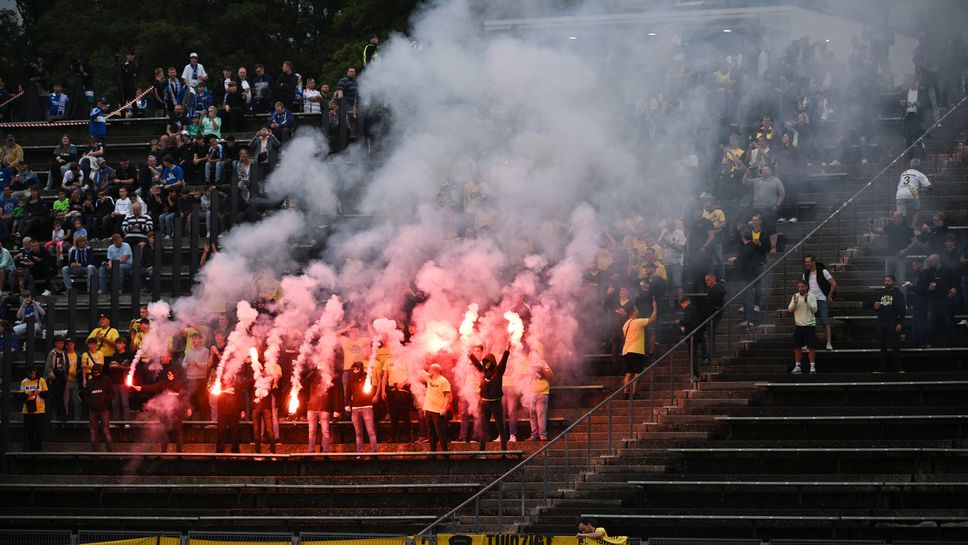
column 194, row 72
column 311, row 98
column 909, row 187
column 122, row 207
column 803, row 306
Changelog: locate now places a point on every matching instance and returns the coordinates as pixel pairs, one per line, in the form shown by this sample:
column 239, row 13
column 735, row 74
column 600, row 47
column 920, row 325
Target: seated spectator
column 73, row 180
column 57, row 238
column 23, row 180
column 136, row 226
column 120, row 251
column 122, row 209
column 199, row 158
column 172, row 175
column 178, row 121
column 103, row 221
column 12, row 154
column 126, row 176
column 29, row 308
column 311, row 98
column 41, row 264
column 214, row 161
column 36, row 215
column 80, row 264
column 64, row 155
column 194, row 129
column 211, row 123
column 103, row 177
column 281, row 122
column 167, row 217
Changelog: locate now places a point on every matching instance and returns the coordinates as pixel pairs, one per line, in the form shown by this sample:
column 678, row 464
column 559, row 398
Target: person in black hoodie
column 693, row 315
column 324, row 402
column 99, row 392
column 169, row 406
column 890, row 308
column 748, row 267
column 230, row 409
column 358, row 401
column 938, row 289
column 492, row 390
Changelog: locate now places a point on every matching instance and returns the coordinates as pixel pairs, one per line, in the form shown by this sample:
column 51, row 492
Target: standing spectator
column 717, row 218
column 890, row 310
column 933, row 236
column 803, row 306
column 57, row 101
column 692, row 317
column 261, row 89
column 900, row 242
column 264, row 147
column 7, row 266
column 195, row 362
column 176, row 92
column 913, row 99
column 11, row 155
column 99, row 393
column 97, row 121
column 768, row 195
column 492, row 390
column 748, row 267
column 118, row 367
column 157, row 96
column 541, row 375
column 312, row 99
column 233, row 107
column 118, row 250
column 358, row 401
column 55, row 373
column 909, row 188
column 324, row 403
column 436, row 405
column 128, row 72
column 104, row 337
column 346, row 87
column 938, row 289
column 170, row 415
column 822, row 286
column 194, row 72
column 75, row 381
column 229, row 409
column 371, row 50
column 699, row 241
column 285, row 86
column 673, row 242
column 201, row 101
column 80, row 263
column 33, row 388
column 715, row 300
column 634, row 348
column 396, row 387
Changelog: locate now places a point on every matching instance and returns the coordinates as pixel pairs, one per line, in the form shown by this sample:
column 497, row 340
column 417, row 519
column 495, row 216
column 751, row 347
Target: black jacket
column 692, row 317
column 355, row 394
column 322, row 398
column 821, row 281
column 940, row 277
column 99, row 392
column 492, row 383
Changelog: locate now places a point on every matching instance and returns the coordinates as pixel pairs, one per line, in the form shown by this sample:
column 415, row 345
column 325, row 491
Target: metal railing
column 572, row 449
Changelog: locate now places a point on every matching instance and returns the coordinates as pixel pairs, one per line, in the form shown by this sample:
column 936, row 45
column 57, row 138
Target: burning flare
column 515, row 327
column 293, row 401
column 368, row 385
column 134, row 364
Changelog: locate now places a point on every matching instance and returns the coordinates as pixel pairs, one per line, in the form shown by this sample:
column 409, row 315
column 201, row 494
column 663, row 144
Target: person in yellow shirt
column 33, row 388
column 717, row 217
column 540, row 393
column 633, row 351
column 92, row 357
column 75, row 381
column 588, row 529
column 436, row 406
column 134, row 326
column 105, row 336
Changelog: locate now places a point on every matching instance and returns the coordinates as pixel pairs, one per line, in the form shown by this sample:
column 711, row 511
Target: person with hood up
column 492, row 390
column 360, row 390
column 99, row 393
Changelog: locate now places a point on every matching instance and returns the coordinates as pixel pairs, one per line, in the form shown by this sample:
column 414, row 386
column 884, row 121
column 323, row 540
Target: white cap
column 193, row 55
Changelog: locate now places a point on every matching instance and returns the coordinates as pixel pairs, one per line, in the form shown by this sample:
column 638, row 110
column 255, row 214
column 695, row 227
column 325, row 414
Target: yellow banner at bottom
column 524, row 539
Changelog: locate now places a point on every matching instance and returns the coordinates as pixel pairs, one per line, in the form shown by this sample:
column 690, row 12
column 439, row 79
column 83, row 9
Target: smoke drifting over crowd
column 543, row 143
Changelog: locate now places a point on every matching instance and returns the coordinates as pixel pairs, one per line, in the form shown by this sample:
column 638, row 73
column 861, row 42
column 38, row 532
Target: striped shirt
column 136, row 228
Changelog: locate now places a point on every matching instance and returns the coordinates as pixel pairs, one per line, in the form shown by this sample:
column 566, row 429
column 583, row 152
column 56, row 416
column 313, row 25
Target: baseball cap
column 193, row 56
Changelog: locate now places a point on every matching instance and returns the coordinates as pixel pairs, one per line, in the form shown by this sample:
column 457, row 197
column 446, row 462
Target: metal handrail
column 687, row 337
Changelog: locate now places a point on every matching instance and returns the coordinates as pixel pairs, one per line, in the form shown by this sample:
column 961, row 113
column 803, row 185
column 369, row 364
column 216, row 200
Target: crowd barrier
column 87, row 537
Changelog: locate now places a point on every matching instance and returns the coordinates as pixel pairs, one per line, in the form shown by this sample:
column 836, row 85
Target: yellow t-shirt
column 660, row 271
column 29, row 387
column 354, row 349
column 89, row 360
column 634, row 331
column 110, row 334
column 397, row 373
column 716, row 217
column 756, row 237
column 617, row 540
column 72, row 367
column 732, row 154
column 540, row 385
column 436, row 399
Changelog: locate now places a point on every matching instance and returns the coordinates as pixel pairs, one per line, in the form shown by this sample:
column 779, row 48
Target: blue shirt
column 8, row 204
column 173, row 175
column 98, row 126
column 6, row 174
column 201, row 103
column 117, row 253
column 216, row 152
column 80, row 232
column 58, row 104
column 283, row 120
